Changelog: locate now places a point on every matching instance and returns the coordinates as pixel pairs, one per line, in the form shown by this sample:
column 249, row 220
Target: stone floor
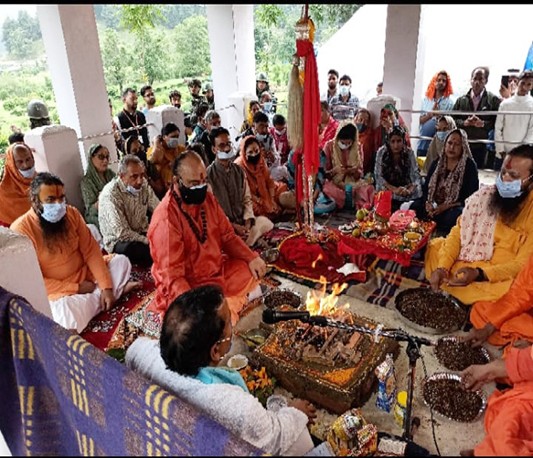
column 450, row 437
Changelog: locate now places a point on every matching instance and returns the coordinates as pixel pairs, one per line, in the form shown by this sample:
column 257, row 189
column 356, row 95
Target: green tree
column 138, row 18
column 151, row 55
column 20, row 34
column 191, row 47
column 115, row 57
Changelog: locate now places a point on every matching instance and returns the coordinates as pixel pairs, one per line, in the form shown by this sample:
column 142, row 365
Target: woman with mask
column 269, row 198
column 165, row 149
column 365, row 136
column 97, row 175
column 15, row 180
column 450, row 181
column 445, row 124
column 397, row 170
column 344, row 169
column 389, row 117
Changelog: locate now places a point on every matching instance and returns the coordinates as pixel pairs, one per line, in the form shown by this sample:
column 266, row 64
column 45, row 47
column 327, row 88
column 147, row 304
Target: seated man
column 19, row 170
column 124, row 206
column 193, row 243
column 508, row 320
column 509, row 414
column 186, row 363
column 493, row 238
column 79, row 281
column 230, row 187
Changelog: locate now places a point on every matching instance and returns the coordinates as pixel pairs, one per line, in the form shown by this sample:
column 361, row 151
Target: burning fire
column 320, row 257
column 318, row 303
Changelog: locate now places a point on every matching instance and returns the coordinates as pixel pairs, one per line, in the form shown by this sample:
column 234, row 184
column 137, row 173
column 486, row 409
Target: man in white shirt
column 515, row 128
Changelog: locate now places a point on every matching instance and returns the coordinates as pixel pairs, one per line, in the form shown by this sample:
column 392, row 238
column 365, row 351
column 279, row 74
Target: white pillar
column 162, row 115
column 72, row 48
column 57, row 151
column 19, row 270
column 231, row 42
column 403, row 68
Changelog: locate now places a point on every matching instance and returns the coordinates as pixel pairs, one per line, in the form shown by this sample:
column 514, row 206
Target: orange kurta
column 509, row 414
column 512, row 314
column 14, row 191
column 77, row 258
column 181, row 262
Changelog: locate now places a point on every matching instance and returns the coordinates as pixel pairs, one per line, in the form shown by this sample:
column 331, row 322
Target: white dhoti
column 96, row 234
column 75, row 311
column 262, row 226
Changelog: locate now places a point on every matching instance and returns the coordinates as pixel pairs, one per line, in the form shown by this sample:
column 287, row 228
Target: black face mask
column 253, row 159
column 194, row 196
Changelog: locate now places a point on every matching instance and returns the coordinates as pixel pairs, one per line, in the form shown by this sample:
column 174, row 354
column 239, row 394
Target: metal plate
column 456, row 377
column 485, row 354
column 428, row 330
column 296, row 298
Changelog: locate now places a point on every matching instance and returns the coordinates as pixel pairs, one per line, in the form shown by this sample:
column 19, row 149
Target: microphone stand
column 413, row 353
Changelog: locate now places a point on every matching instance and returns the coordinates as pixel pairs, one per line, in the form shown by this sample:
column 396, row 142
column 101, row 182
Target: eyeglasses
column 103, row 157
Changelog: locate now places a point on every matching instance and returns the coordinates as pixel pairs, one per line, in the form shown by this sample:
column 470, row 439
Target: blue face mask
column 133, row 191
column 360, row 127
column 441, row 135
column 54, row 212
column 173, row 142
column 509, row 189
column 344, row 90
column 267, row 107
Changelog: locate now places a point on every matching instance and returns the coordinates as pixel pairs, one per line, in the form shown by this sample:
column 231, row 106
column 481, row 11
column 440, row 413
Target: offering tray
column 462, row 357
column 442, row 305
column 451, row 400
column 329, row 367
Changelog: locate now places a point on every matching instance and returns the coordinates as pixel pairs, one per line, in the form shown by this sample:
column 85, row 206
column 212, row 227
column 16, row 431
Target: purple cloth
column 60, row 395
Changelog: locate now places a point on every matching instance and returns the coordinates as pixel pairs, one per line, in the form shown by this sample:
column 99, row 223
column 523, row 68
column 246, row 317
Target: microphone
column 271, row 316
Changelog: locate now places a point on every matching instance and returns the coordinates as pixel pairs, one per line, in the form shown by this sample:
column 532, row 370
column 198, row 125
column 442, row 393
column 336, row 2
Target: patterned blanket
column 62, row 396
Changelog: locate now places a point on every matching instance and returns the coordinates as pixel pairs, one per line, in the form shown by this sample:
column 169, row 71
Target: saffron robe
column 509, row 414
column 513, row 244
column 76, row 258
column 14, row 191
column 181, row 262
column 512, row 314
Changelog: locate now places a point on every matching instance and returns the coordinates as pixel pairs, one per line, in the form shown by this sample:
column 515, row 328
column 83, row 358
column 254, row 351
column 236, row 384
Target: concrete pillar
column 162, row 115
column 19, row 270
column 57, row 151
column 231, row 41
column 72, row 48
column 403, row 67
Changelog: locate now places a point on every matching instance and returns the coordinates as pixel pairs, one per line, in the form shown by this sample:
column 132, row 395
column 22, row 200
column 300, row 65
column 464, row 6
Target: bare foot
column 469, row 452
column 132, row 285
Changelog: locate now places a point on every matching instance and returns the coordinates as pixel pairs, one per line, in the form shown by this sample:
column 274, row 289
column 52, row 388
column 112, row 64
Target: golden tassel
column 295, row 107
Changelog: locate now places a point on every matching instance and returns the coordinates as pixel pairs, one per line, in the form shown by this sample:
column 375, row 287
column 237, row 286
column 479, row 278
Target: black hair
column 345, row 78
column 191, row 326
column 202, row 109
column 278, row 119
column 217, row 131
column 347, row 132
column 187, row 122
column 333, row 71
column 525, row 150
column 144, row 89
column 127, row 91
column 168, row 128
column 16, row 137
column 46, row 178
column 174, row 94
column 260, row 117
column 485, row 69
column 195, row 82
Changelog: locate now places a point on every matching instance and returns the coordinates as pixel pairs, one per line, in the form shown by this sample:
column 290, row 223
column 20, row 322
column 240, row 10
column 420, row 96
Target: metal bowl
column 254, row 337
column 457, row 378
column 426, row 329
column 454, row 339
column 282, row 296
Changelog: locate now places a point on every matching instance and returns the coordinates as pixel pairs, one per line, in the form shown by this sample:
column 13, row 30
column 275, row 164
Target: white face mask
column 344, row 90
column 223, row 155
column 173, row 142
column 54, row 212
column 133, row 191
column 27, row 173
column 261, row 137
column 342, row 145
column 281, row 132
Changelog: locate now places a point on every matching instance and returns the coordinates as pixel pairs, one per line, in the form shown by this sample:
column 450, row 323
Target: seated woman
column 445, row 124
column 132, row 145
column 97, row 175
column 164, row 150
column 344, row 168
column 269, row 198
column 389, row 118
column 397, row 170
column 365, row 137
column 187, row 363
column 451, row 179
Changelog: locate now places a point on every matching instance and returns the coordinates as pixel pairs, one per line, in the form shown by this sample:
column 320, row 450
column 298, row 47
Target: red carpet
column 102, row 327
